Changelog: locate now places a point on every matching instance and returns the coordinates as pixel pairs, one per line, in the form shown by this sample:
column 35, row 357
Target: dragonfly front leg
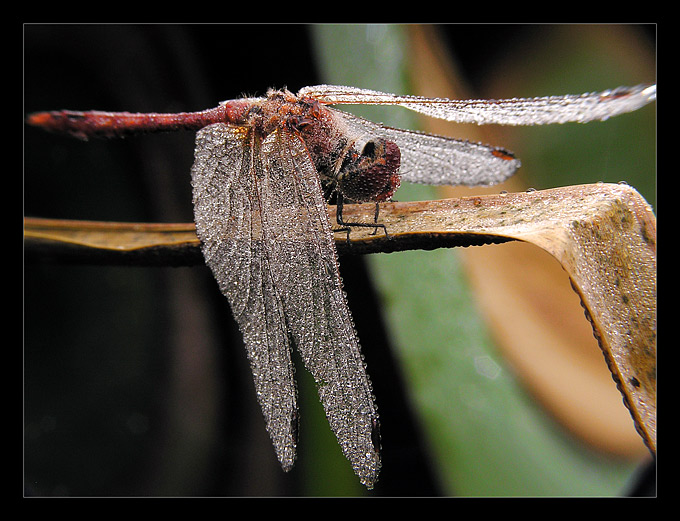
column 347, row 226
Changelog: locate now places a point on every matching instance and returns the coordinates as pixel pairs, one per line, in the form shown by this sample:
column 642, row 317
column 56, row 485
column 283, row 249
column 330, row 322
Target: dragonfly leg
column 347, row 226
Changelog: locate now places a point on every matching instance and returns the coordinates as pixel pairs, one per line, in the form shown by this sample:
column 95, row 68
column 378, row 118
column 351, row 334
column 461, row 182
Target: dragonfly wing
column 266, row 234
column 304, row 263
column 515, row 111
column 229, row 224
column 438, row 160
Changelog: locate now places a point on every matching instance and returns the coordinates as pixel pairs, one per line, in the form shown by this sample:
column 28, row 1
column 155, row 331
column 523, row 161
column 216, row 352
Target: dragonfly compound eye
column 372, row 176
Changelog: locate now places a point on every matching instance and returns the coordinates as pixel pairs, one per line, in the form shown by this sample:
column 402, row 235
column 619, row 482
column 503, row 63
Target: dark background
column 136, row 381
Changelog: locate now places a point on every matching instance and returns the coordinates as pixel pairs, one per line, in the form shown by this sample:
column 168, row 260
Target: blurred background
column 486, row 373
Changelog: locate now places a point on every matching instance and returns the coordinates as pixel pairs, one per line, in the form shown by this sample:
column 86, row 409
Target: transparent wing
column 229, row 225
column 516, row 111
column 437, row 160
column 266, row 235
column 304, row 263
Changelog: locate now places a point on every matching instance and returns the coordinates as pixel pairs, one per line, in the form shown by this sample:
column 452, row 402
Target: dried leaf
column 604, row 236
column 112, row 242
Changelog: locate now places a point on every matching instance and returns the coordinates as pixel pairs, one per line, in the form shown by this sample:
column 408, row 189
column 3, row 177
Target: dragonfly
column 264, row 170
